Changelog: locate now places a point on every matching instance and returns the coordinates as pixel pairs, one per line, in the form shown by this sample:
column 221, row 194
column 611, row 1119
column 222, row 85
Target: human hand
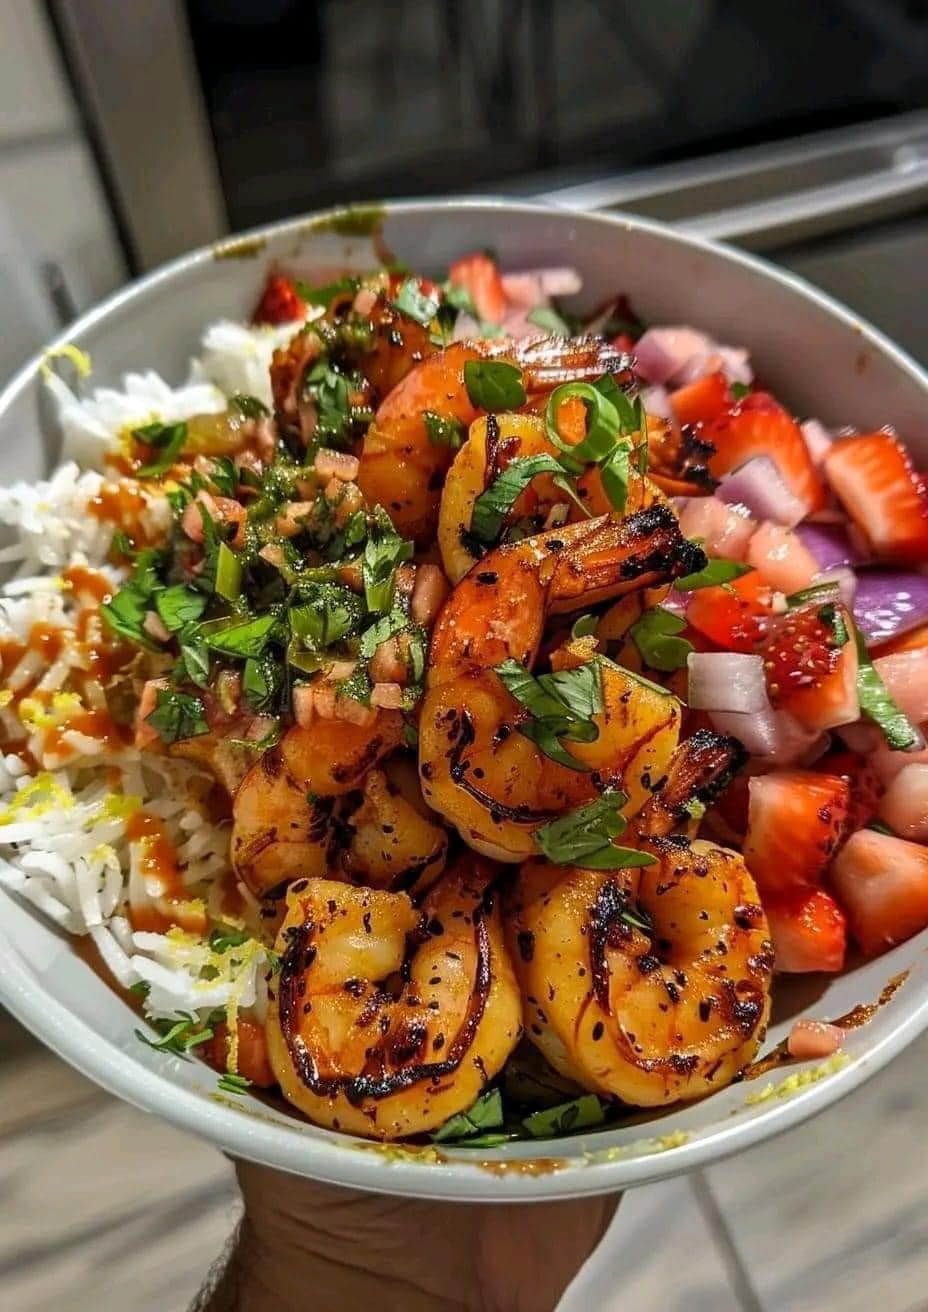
column 305, row 1244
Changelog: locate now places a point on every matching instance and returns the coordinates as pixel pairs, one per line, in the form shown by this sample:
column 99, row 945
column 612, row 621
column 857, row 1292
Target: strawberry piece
column 759, row 426
column 809, row 932
column 863, row 783
column 882, row 883
column 479, row 276
column 795, row 822
column 874, row 479
column 810, row 672
column 914, row 641
column 735, row 615
column 705, row 398
column 280, row 302
column 252, row 1060
column 782, row 557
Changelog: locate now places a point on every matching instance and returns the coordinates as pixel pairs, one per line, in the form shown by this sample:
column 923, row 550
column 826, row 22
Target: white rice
column 63, row 841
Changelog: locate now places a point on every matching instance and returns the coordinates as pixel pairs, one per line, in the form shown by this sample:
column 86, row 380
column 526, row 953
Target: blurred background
column 131, row 132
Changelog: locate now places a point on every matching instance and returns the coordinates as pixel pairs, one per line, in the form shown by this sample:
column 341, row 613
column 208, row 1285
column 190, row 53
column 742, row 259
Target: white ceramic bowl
column 819, row 357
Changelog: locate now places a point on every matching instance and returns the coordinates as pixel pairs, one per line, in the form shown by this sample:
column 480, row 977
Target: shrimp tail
column 547, row 361
column 701, row 769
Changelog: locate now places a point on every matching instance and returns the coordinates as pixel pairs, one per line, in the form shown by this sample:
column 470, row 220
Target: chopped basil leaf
column 494, row 385
column 327, row 614
column 584, row 837
column 654, row 634
column 543, row 316
column 178, row 1036
column 230, row 1083
column 715, row 573
column 881, row 827
column 739, row 391
column 493, row 505
column 332, row 394
column 443, row 432
column 614, row 471
column 228, row 573
column 877, row 704
column 410, row 735
column 383, row 551
column 242, row 638
column 416, row 304
column 261, row 683
column 385, row 628
column 125, row 614
column 834, row 620
column 179, row 606
column 220, row 940
column 460, row 298
column 562, row 706
column 579, row 1114
column 815, row 592
column 584, row 626
column 194, row 664
column 249, row 407
column 603, row 425
column 223, row 475
column 166, row 438
column 326, row 294
column 177, row 716
column 485, row 1114
column 694, row 808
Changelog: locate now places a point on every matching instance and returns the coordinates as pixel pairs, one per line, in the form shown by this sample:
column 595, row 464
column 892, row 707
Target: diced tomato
column 782, row 557
column 809, row 932
column 863, row 782
column 736, row 615
column 706, row 398
column 759, row 426
column 873, row 478
column 795, row 821
column 882, row 883
column 479, row 275
column 280, row 302
column 810, row 671
column 251, row 1058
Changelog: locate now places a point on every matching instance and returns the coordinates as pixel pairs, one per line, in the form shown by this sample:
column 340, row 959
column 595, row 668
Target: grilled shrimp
column 394, row 841
column 284, row 809
column 492, row 444
column 493, row 783
column 384, row 1020
column 649, row 984
column 403, row 466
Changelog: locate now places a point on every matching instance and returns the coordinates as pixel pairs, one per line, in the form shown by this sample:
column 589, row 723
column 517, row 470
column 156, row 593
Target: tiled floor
column 106, row 1208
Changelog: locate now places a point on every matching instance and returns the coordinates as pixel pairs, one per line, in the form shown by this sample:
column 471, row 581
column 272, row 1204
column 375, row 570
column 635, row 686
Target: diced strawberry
column 882, row 883
column 624, row 342
column 810, row 662
column 795, row 821
column 479, row 275
column 863, row 782
column 905, row 675
column 706, row 398
column 280, row 302
column 873, row 477
column 782, row 558
column 809, row 932
column 724, row 530
column 759, row 426
column 735, row 615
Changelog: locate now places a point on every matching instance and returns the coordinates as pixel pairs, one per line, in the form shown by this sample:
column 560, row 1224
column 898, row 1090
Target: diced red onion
column 736, row 365
column 862, row 736
column 904, row 806
column 773, row 735
column 533, row 287
column 676, row 602
column 726, row 681
column 817, row 439
column 465, row 327
column 517, row 325
column 336, row 464
column 656, row 401
column 725, row 530
column 889, row 603
column 304, row 708
column 830, row 544
column 662, row 354
column 760, row 486
column 905, row 675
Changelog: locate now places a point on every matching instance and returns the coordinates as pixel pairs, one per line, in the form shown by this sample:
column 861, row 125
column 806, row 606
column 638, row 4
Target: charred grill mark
column 359, row 767
column 606, row 929
column 702, row 768
column 492, row 450
column 402, row 1044
column 464, row 736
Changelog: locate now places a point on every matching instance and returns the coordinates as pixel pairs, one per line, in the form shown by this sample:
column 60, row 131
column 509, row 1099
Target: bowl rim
column 337, row 1159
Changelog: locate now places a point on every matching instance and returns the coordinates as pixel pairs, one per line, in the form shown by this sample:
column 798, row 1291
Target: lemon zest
column 118, row 806
column 799, row 1080
column 47, row 789
column 5, row 697
column 80, row 359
